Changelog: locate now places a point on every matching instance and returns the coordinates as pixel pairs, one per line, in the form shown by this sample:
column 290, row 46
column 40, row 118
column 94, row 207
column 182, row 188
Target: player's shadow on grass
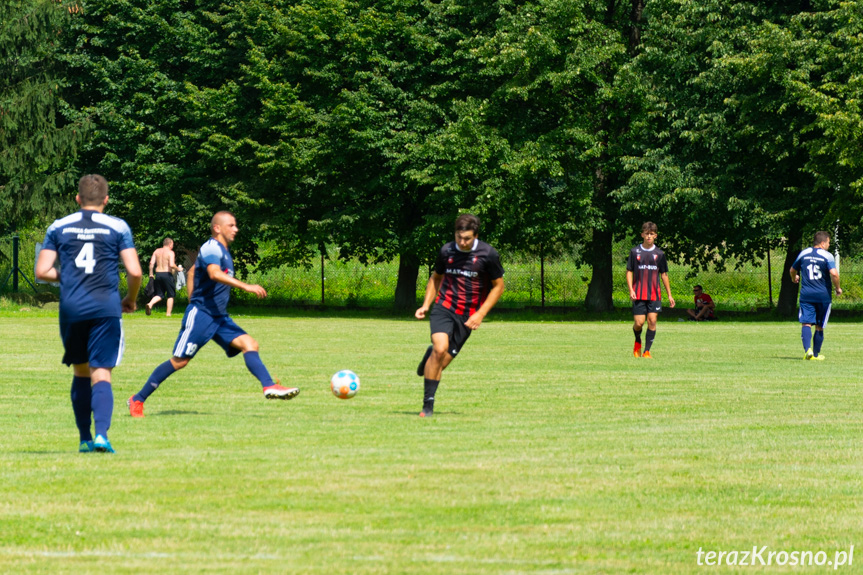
column 176, row 412
column 436, row 413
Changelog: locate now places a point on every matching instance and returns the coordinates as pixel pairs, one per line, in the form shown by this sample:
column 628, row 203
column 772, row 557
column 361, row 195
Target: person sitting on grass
column 704, row 306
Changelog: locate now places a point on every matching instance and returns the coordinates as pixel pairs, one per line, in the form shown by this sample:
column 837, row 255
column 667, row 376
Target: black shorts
column 646, row 306
column 164, row 284
column 443, row 320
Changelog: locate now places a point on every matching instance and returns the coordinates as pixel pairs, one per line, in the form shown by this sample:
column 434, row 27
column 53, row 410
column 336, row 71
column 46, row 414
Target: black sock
column 648, row 341
column 637, row 335
column 429, row 393
column 421, row 368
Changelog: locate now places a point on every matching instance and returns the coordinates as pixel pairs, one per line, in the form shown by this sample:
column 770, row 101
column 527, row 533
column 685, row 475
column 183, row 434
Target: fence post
column 769, row 277
column 323, row 279
column 15, row 263
column 542, row 275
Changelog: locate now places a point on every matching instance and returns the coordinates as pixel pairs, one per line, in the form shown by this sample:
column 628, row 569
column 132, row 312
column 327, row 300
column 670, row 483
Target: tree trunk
column 599, row 292
column 787, row 303
column 406, row 285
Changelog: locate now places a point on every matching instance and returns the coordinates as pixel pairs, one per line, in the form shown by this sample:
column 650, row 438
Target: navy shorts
column 443, row 320
column 646, row 306
column 199, row 327
column 98, row 342
column 814, row 313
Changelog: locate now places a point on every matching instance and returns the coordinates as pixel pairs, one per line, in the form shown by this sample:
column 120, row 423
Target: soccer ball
column 345, row 384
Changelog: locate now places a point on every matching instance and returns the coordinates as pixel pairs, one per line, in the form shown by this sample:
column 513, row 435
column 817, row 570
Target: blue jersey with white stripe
column 88, row 245
column 211, row 295
column 814, row 265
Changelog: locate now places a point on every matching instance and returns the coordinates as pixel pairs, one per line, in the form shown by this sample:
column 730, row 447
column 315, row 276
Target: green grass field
column 552, row 450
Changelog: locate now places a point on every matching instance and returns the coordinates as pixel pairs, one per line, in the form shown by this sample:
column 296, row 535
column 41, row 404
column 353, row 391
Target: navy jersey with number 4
column 814, row 265
column 467, row 276
column 88, row 245
column 210, row 295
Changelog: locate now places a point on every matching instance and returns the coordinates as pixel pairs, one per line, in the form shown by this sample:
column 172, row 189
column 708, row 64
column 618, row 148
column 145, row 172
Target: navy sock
column 819, row 339
column 81, row 406
column 806, row 335
column 648, row 340
column 430, row 386
column 102, row 404
column 637, row 335
column 256, row 366
column 160, row 374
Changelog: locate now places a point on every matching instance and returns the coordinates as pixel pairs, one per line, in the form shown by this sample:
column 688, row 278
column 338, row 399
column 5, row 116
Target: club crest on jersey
column 449, row 261
column 474, row 259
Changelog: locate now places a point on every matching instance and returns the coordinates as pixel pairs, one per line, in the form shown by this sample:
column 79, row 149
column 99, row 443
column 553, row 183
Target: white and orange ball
column 345, row 384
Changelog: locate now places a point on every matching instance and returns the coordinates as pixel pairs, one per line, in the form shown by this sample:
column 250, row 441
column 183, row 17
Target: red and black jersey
column 646, row 267
column 467, row 276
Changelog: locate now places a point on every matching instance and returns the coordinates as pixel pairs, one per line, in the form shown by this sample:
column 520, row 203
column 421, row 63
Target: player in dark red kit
column 466, row 283
column 644, row 269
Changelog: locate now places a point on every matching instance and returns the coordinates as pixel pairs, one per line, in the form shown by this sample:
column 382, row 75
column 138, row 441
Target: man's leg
column 806, row 336
column 638, row 323
column 651, row 331
column 272, row 390
column 818, row 340
column 439, row 359
column 102, row 405
column 170, row 304
column 159, row 375
column 149, row 307
column 80, row 395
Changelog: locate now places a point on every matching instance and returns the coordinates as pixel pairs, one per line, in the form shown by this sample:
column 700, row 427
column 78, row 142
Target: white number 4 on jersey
column 85, row 258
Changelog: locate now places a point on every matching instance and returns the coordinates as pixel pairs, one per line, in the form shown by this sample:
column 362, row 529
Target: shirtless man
column 163, row 262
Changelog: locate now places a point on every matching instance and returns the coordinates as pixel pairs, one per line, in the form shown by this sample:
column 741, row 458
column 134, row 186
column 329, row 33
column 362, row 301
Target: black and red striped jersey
column 646, row 267
column 467, row 276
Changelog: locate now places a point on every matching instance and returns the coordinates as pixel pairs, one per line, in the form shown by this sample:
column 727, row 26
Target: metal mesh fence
column 529, row 282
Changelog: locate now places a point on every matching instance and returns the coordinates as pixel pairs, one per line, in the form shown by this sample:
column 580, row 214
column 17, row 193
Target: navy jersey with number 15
column 88, row 244
column 814, row 265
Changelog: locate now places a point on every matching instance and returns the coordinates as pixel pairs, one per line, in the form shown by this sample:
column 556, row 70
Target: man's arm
column 45, row 269
column 152, row 262
column 133, row 278
column 497, row 287
column 217, row 275
column 667, row 285
column 432, row 288
column 834, row 277
column 794, row 277
column 172, row 263
column 629, row 285
column 190, row 281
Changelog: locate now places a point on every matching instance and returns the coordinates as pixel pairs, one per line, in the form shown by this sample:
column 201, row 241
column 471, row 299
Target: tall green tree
column 38, row 141
column 723, row 165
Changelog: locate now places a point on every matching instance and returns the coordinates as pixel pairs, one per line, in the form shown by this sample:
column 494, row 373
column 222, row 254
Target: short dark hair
column 467, row 223
column 167, row 241
column 698, row 287
column 648, row 227
column 820, row 237
column 92, row 189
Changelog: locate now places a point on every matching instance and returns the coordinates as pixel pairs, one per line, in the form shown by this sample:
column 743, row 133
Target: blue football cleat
column 86, row 447
column 102, row 445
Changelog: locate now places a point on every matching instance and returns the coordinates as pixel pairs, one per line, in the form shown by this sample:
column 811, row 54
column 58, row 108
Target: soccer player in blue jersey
column 645, row 268
column 815, row 270
column 89, row 244
column 206, row 318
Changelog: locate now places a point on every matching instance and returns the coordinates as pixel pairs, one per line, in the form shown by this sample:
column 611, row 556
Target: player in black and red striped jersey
column 645, row 268
column 466, row 283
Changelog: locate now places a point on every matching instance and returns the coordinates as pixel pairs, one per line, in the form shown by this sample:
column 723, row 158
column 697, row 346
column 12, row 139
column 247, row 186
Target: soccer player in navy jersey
column 466, row 283
column 206, row 318
column 817, row 268
column 89, row 245
column 644, row 269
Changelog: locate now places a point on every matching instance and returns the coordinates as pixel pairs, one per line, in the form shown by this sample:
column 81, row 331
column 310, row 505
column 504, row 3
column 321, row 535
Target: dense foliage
column 369, row 125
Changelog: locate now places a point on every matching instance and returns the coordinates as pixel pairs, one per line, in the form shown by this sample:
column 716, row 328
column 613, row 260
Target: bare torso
column 163, row 259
